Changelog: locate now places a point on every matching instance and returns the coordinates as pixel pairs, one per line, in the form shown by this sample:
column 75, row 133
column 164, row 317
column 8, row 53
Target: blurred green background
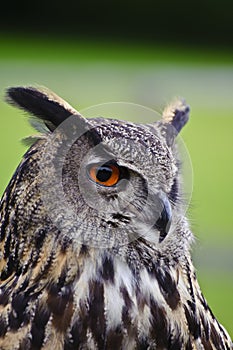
column 145, row 56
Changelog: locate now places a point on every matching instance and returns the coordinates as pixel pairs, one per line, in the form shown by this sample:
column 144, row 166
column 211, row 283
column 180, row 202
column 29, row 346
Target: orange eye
column 106, row 175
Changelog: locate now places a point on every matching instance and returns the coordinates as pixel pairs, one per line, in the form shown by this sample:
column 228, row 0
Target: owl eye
column 106, row 174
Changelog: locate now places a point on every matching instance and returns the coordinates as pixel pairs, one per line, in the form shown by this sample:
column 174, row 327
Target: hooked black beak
column 163, row 223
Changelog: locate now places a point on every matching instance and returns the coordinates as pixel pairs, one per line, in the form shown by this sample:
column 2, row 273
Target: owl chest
column 114, row 305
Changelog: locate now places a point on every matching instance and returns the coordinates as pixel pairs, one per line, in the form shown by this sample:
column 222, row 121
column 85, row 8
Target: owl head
column 98, row 181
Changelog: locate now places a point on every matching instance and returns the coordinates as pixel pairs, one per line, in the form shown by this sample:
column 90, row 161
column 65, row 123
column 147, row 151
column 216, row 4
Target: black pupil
column 103, row 173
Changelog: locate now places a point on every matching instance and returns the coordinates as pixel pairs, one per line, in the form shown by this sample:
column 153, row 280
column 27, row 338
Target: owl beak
column 163, row 223
column 156, row 217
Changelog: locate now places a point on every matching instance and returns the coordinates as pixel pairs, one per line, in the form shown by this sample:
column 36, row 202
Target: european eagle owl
column 95, row 245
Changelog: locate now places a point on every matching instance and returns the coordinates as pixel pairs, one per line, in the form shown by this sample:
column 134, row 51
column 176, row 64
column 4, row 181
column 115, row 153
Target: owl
column 95, row 244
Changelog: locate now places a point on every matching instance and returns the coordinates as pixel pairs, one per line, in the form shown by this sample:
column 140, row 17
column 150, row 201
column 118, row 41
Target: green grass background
column 88, row 73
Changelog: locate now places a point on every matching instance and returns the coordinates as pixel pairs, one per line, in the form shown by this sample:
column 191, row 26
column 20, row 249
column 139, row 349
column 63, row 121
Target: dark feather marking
column 114, row 339
column 9, row 270
column 3, row 327
column 24, row 269
column 216, row 339
column 143, row 344
column 78, row 334
column 126, row 319
column 96, row 312
column 18, row 316
column 6, row 290
column 60, row 303
column 193, row 322
column 64, row 322
column 206, row 326
column 190, row 285
column 109, row 222
column 19, row 302
column 39, row 323
column 40, row 236
column 126, row 297
column 159, row 331
column 175, row 342
column 62, row 279
column 25, row 344
column 125, row 315
column 68, row 344
column 4, row 296
column 4, row 222
column 167, row 285
column 206, row 344
column 121, row 218
column 203, row 301
column 207, row 308
column 16, row 244
column 79, row 330
column 84, row 250
column 222, row 330
column 189, row 346
column 129, row 326
column 107, row 269
column 7, row 247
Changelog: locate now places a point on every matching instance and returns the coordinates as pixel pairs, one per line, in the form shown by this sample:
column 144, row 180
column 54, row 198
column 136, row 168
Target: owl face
column 122, row 183
column 106, row 182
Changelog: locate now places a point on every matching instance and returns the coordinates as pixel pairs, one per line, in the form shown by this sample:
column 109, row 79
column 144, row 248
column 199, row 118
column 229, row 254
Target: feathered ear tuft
column 175, row 116
column 42, row 103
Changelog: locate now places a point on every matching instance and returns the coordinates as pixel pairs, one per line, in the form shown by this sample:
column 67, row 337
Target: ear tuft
column 175, row 116
column 42, row 103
